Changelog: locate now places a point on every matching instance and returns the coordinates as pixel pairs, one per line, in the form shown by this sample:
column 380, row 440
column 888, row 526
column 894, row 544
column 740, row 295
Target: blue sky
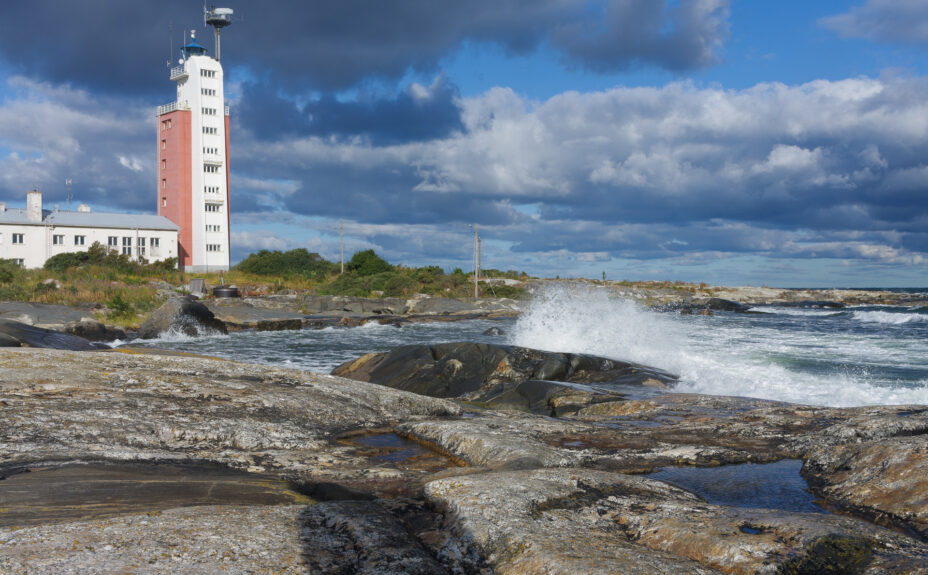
column 732, row 142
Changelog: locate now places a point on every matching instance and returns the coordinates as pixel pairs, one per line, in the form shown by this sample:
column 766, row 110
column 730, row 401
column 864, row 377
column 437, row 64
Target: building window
column 58, row 239
column 20, row 262
column 207, row 73
column 213, row 247
column 18, row 239
column 142, row 242
column 79, row 240
column 212, row 207
column 164, row 164
column 212, row 228
column 164, row 144
column 164, row 184
column 210, row 131
column 112, row 241
column 164, row 125
column 155, row 242
column 164, row 202
column 141, row 250
column 170, row 123
column 210, row 169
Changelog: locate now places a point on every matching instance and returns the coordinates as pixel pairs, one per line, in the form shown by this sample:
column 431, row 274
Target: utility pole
column 341, row 243
column 476, row 262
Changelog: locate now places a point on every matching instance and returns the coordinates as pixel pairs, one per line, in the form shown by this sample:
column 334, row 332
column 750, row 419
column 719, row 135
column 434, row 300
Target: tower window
column 164, row 144
column 213, row 248
column 212, row 207
column 164, row 202
column 164, row 184
column 164, row 164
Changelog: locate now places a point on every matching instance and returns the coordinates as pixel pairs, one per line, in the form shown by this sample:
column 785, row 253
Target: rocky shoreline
column 303, row 311
column 381, row 480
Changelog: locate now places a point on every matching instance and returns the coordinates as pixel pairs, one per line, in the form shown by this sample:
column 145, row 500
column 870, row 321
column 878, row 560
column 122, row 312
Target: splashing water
column 813, row 358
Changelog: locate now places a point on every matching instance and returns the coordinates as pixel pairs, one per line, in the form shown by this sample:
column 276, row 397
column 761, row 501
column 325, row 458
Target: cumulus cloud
column 641, row 172
column 890, row 21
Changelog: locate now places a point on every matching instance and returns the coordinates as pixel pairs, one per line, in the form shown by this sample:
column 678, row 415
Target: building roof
column 89, row 220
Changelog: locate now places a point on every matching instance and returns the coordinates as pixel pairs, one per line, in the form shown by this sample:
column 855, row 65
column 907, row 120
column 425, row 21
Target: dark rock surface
column 183, row 314
column 500, row 376
column 17, row 334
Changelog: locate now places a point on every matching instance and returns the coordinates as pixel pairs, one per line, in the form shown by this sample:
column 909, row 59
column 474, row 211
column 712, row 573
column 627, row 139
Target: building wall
column 39, row 242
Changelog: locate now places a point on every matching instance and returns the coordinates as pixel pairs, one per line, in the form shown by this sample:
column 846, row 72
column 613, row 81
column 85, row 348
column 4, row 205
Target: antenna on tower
column 218, row 18
column 171, row 39
column 68, row 183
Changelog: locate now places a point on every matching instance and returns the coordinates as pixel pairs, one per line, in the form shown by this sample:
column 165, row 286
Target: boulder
column 183, row 314
column 500, row 376
column 719, row 304
column 18, row 334
column 94, row 331
column 494, row 331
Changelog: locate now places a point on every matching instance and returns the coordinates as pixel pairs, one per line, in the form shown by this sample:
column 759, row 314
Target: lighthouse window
column 211, row 169
column 213, row 247
column 209, row 111
column 212, row 228
column 212, row 207
column 208, row 73
column 164, row 144
column 207, row 91
column 164, row 164
column 211, row 131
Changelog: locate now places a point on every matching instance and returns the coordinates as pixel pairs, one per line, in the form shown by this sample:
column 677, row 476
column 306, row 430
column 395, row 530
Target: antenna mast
column 218, row 18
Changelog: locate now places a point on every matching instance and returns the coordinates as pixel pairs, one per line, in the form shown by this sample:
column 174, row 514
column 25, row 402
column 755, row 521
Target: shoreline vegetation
column 122, row 292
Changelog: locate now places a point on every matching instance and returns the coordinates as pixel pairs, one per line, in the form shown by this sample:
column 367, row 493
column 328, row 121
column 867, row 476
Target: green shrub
column 367, row 263
column 400, row 286
column 298, row 262
column 9, row 271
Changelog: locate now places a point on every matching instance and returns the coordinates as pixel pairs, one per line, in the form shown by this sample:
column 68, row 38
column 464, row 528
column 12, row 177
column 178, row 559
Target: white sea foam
column 796, row 311
column 715, row 356
column 888, row 317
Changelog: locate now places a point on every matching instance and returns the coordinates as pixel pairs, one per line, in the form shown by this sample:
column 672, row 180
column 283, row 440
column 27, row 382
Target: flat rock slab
column 74, row 492
column 197, row 540
column 58, row 406
column 43, row 314
column 237, row 315
column 585, row 521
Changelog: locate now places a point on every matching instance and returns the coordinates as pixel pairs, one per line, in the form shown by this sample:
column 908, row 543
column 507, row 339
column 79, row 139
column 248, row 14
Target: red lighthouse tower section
column 175, row 194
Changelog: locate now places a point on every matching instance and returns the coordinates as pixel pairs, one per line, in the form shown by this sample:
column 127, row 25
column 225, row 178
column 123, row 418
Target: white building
column 193, row 161
column 30, row 236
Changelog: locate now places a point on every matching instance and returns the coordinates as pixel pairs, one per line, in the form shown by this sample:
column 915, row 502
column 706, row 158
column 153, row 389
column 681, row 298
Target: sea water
column 863, row 355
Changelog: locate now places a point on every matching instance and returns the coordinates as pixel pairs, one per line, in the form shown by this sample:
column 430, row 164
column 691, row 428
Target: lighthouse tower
column 193, row 161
